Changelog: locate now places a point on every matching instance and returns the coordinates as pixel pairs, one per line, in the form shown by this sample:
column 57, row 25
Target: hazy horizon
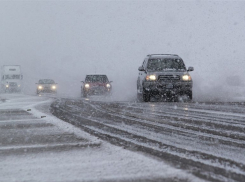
column 65, row 40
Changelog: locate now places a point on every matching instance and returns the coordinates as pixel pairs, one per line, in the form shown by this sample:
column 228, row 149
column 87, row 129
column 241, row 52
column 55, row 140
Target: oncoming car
column 46, row 86
column 164, row 76
column 96, row 84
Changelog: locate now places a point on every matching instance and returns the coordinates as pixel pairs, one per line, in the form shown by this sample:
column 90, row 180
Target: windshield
column 46, row 81
column 165, row 64
column 96, row 78
column 12, row 76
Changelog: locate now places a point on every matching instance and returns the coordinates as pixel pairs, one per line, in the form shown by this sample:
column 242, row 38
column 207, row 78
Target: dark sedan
column 96, row 85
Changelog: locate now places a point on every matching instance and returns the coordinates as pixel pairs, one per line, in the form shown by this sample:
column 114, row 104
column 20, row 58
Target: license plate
column 169, row 86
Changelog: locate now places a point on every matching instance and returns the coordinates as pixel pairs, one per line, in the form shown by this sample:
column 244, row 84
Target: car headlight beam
column 151, row 77
column 7, row 86
column 108, row 85
column 53, row 87
column 86, row 85
column 186, row 77
column 40, row 87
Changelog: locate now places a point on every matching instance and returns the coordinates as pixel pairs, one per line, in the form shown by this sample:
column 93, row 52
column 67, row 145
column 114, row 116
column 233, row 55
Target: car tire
column 146, row 97
column 85, row 95
column 176, row 98
column 189, row 94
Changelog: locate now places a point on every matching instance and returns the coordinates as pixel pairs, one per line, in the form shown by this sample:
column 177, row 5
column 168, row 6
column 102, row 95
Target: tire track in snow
column 215, row 166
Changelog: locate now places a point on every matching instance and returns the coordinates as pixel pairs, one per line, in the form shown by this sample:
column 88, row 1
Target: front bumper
column 157, row 88
column 97, row 90
column 46, row 90
column 13, row 89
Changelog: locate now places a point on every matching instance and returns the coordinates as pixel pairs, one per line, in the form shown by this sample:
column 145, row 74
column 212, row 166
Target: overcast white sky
column 65, row 40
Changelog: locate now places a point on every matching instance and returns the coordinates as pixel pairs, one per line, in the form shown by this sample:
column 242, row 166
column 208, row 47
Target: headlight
column 40, row 87
column 151, row 77
column 53, row 87
column 186, row 77
column 7, row 86
column 18, row 85
column 108, row 85
column 86, row 85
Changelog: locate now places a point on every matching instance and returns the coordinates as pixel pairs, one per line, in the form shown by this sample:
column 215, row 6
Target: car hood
column 97, row 84
column 180, row 73
column 46, row 84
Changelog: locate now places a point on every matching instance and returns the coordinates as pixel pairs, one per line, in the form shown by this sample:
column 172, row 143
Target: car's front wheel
column 175, row 98
column 189, row 94
column 146, row 96
column 85, row 95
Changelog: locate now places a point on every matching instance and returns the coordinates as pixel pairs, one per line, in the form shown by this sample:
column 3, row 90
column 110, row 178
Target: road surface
column 36, row 146
column 205, row 139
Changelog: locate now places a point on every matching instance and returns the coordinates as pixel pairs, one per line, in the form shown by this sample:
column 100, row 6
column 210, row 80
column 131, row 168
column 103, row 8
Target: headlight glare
column 86, row 85
column 40, row 87
column 7, row 86
column 186, row 77
column 53, row 87
column 108, row 85
column 151, row 77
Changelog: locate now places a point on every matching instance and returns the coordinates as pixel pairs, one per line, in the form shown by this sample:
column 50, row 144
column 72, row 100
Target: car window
column 96, row 78
column 165, row 64
column 46, row 81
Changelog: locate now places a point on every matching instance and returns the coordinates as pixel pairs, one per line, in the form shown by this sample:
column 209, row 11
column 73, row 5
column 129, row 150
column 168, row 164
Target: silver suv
column 46, row 85
column 164, row 76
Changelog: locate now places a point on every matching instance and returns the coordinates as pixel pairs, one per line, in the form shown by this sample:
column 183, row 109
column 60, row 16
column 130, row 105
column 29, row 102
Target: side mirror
column 110, row 81
column 141, row 68
column 190, row 69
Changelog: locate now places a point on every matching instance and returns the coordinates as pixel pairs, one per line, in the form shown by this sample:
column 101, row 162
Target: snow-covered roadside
column 57, row 122
column 104, row 163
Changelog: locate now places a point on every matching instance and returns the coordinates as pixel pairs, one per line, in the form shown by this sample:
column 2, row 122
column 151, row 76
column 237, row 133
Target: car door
column 138, row 80
column 142, row 75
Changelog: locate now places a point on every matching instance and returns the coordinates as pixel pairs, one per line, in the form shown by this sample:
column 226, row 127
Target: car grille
column 12, row 84
column 169, row 77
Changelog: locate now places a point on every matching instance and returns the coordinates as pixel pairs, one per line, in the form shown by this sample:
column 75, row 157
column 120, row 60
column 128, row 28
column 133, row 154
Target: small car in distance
column 46, row 86
column 164, row 76
column 96, row 84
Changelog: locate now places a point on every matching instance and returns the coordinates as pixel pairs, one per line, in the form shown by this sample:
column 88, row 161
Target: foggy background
column 65, row 40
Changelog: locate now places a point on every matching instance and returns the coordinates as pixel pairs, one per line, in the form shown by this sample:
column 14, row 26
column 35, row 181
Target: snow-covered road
column 38, row 148
column 206, row 139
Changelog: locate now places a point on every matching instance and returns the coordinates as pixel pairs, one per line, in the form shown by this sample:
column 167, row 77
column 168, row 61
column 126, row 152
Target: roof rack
column 162, row 54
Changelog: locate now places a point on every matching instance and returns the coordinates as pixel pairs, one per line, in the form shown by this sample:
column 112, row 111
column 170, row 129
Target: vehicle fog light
column 86, row 85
